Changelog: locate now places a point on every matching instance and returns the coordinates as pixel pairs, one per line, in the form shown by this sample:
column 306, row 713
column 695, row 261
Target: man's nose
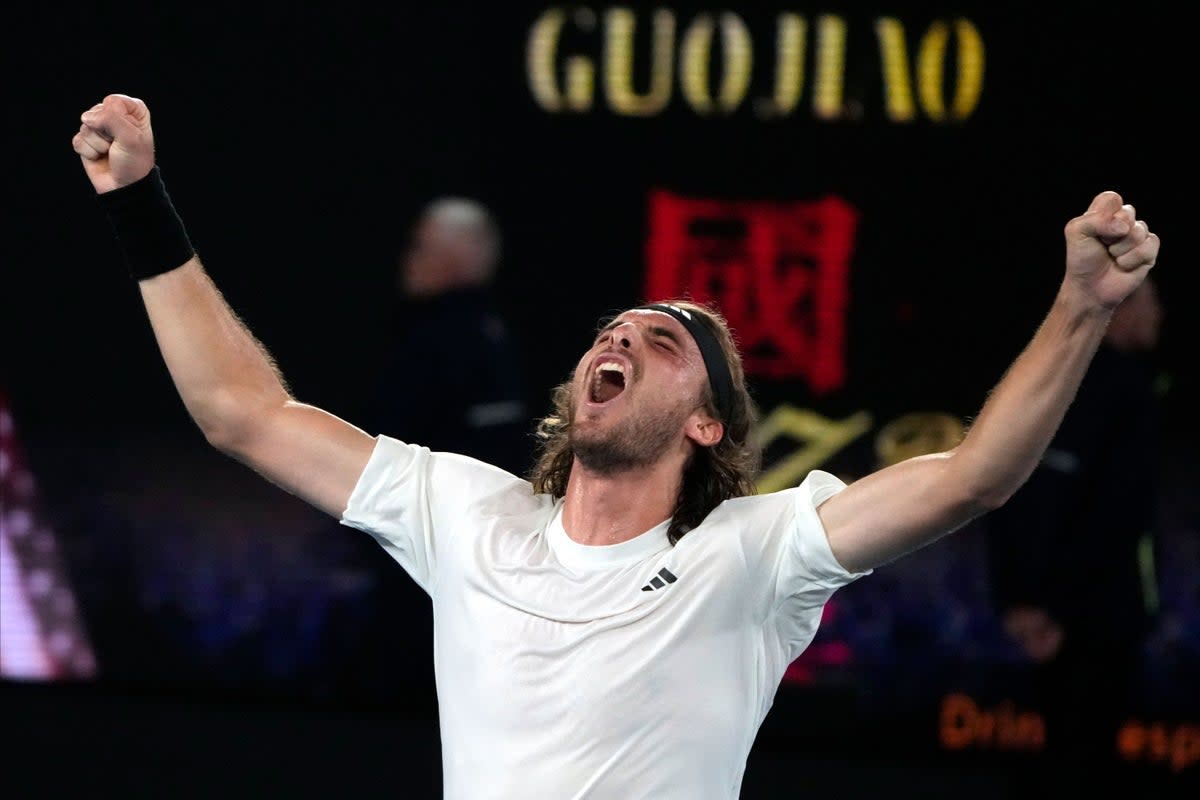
column 624, row 335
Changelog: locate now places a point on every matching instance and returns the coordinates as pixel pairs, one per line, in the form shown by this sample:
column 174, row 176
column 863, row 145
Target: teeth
column 611, row 366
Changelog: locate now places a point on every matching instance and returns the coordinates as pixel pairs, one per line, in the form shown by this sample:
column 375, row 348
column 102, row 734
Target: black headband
column 710, row 349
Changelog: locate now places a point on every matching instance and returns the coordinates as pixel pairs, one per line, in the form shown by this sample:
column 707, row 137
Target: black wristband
column 148, row 229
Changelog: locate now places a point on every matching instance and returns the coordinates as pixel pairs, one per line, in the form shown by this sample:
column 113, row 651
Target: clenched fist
column 115, row 142
column 1109, row 250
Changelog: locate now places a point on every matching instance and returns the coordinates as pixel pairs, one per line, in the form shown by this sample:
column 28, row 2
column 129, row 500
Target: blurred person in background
column 1071, row 553
column 453, row 377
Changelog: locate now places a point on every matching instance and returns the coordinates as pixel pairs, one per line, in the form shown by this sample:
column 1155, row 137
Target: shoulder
column 768, row 529
column 395, row 462
column 759, row 509
column 739, row 529
column 408, row 487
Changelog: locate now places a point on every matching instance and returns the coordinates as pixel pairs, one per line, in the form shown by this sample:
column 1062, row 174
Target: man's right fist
column 115, row 142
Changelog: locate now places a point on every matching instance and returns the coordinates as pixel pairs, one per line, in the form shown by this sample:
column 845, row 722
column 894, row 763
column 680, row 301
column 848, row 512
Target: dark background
column 299, row 142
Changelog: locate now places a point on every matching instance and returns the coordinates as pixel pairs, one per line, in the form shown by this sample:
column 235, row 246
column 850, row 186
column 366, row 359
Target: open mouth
column 608, row 381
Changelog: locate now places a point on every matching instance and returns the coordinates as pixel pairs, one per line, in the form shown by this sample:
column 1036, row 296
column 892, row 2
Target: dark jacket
column 453, row 380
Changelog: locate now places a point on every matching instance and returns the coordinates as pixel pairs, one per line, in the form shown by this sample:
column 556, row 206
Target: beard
column 637, row 441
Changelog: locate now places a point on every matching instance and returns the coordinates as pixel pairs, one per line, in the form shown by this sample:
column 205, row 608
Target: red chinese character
column 778, row 271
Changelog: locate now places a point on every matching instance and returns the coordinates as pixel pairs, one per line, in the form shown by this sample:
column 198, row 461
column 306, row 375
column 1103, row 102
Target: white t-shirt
column 634, row 670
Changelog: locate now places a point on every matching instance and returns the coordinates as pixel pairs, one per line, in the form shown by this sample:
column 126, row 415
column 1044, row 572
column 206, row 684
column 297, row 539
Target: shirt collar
column 598, row 556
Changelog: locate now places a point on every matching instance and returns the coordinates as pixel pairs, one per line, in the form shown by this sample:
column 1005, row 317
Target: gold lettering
column 893, row 53
column 696, row 55
column 822, row 438
column 580, row 83
column 562, row 82
column 931, row 64
column 789, row 67
column 931, row 60
column 916, row 434
column 830, row 67
column 539, row 59
column 970, row 69
column 620, row 24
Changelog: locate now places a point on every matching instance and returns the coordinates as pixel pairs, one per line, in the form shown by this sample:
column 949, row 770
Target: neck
column 610, row 509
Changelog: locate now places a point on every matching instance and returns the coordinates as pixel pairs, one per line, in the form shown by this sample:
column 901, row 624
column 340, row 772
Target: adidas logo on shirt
column 660, row 580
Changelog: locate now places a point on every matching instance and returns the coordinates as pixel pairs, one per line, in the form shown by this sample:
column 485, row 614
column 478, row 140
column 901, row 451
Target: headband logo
column 710, row 350
column 679, row 310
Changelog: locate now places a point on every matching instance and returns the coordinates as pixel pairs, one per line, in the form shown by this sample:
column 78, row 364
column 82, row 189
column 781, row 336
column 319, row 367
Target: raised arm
column 908, row 505
column 226, row 378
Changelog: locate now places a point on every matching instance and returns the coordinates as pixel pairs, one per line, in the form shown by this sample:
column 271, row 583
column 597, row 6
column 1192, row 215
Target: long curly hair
column 712, row 475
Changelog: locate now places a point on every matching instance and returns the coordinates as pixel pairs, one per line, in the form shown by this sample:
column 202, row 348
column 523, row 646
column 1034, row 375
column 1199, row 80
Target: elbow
column 980, row 489
column 223, row 437
column 989, row 492
column 229, row 421
column 990, row 499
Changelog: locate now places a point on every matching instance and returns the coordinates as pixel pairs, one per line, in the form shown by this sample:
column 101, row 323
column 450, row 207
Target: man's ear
column 704, row 429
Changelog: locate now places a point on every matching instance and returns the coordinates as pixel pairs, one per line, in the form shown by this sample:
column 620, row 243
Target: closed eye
column 602, row 334
column 665, row 337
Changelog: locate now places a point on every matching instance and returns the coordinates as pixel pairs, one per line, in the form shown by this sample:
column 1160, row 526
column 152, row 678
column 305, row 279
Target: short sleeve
column 411, row 498
column 808, row 573
column 809, row 562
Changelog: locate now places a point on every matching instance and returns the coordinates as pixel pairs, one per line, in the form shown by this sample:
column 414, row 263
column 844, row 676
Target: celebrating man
column 617, row 625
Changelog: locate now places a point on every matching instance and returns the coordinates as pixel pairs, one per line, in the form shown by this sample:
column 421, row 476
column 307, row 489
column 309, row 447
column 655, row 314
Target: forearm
column 1019, row 419
column 910, row 504
column 896, row 510
column 226, row 378
column 223, row 374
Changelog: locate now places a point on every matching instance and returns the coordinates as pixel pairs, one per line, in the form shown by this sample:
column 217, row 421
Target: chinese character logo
column 777, row 270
